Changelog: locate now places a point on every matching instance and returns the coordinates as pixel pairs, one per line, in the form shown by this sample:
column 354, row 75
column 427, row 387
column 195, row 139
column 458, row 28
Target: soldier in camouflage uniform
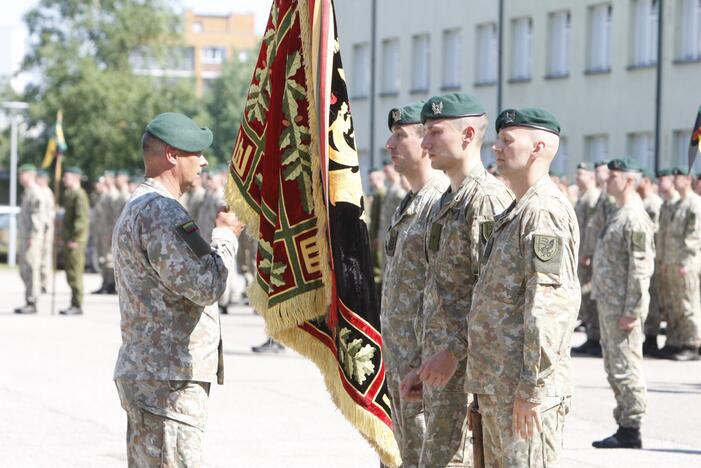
column 623, row 264
column 30, row 236
column 121, row 183
column 663, row 256
column 379, row 190
column 405, row 273
column 76, row 228
column 105, row 216
column 395, row 195
column 595, row 224
column 525, row 303
column 683, row 269
column 168, row 280
column 49, row 208
column 459, row 224
column 584, row 209
column 652, row 204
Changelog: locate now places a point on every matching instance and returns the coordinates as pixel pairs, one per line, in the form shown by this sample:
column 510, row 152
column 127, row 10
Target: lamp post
column 14, row 109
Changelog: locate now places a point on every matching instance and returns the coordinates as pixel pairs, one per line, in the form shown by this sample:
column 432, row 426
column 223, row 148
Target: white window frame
column 486, row 54
column 644, row 32
column 420, row 62
column 600, row 38
column 560, row 161
column 596, row 147
column 390, row 81
column 521, row 48
column 559, row 43
column 689, row 30
column 452, row 58
column 361, row 70
column 680, row 148
column 213, row 55
column 641, row 147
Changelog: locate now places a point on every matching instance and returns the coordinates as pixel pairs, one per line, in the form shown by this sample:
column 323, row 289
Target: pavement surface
column 59, row 407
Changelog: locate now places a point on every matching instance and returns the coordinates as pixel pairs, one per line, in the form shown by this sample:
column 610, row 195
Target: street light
column 15, row 110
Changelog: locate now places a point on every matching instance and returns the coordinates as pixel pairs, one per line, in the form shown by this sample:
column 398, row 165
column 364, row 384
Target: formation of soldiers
column 487, row 272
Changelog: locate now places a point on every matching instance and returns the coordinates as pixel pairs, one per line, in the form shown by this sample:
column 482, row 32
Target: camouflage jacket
column 395, row 195
column 459, row 224
column 76, row 218
column 683, row 247
column 405, row 272
column 584, row 209
column 526, row 300
column 663, row 233
column 604, row 206
column 168, row 281
column 31, row 223
column 653, row 204
column 624, row 260
column 49, row 208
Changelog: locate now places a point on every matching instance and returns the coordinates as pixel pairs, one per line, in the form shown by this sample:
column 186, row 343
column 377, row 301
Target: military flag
column 295, row 181
column 694, row 147
column 54, row 150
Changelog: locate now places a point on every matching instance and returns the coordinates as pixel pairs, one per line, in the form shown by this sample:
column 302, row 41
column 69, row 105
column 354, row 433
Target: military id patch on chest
column 391, row 242
column 434, row 237
column 189, row 232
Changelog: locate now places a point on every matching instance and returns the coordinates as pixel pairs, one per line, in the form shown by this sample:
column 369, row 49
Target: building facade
column 593, row 63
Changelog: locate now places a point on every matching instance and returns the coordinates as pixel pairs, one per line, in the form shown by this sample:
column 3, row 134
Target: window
column 521, row 48
column 680, row 149
column 486, row 54
column 452, row 58
column 196, row 27
column 420, row 61
column 689, row 38
column 390, row 66
column 600, row 38
column 641, row 147
column 559, row 44
column 361, row 70
column 596, row 147
column 213, row 55
column 560, row 161
column 645, row 28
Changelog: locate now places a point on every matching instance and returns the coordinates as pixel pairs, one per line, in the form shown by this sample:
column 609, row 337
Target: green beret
column 624, row 165
column 585, row 166
column 108, row 173
column 27, row 168
column 600, row 163
column 42, row 173
column 136, row 179
column 73, row 170
column 180, row 131
column 528, row 117
column 123, row 172
column 451, row 106
column 555, row 173
column 406, row 115
column 664, row 172
column 679, row 171
column 649, row 173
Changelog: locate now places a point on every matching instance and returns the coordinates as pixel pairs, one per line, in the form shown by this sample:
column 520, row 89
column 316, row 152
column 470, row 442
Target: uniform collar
column 517, row 206
column 158, row 187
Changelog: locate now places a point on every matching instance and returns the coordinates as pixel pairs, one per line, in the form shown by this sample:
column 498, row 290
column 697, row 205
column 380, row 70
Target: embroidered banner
column 295, row 181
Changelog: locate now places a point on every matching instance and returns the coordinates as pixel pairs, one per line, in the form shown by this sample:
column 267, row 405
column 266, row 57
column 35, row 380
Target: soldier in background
column 683, row 267
column 194, row 198
column 584, row 209
column 525, row 303
column 76, row 225
column 47, row 252
column 395, row 195
column 652, row 203
column 595, row 224
column 30, row 236
column 623, row 264
column 105, row 217
column 377, row 196
column 121, row 182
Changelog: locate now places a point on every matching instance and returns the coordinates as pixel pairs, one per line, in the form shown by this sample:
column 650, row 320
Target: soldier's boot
column 588, row 348
column 650, row 347
column 102, row 290
column 668, row 351
column 686, row 353
column 223, row 310
column 270, row 346
column 72, row 310
column 110, row 289
column 625, row 437
column 28, row 309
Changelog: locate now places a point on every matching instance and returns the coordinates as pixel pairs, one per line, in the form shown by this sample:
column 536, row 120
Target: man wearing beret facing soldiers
column 459, row 225
column 525, row 302
column 168, row 280
column 622, row 267
column 405, row 272
column 76, row 227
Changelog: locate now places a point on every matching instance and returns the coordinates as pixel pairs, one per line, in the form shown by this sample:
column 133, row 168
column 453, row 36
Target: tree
column 82, row 52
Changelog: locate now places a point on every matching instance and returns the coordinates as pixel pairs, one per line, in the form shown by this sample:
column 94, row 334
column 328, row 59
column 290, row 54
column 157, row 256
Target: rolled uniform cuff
column 529, row 392
column 456, row 345
column 220, row 234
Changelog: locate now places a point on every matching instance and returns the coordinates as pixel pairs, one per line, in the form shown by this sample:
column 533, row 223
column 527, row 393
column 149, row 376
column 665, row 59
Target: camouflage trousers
column 504, row 449
column 165, row 422
column 399, row 345
column 587, row 309
column 29, row 267
column 684, row 319
column 659, row 302
column 447, row 441
column 47, row 258
column 623, row 362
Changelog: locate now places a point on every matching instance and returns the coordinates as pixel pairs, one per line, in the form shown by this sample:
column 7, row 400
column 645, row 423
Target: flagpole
column 658, row 85
column 57, row 190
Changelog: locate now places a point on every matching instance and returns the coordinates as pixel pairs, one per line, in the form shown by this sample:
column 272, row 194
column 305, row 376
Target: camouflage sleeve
column 199, row 276
column 546, row 244
column 36, row 216
column 641, row 260
column 691, row 252
column 591, row 233
column 81, row 220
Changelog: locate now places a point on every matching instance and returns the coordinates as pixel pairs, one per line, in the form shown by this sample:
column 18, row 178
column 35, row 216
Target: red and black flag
column 295, row 181
column 694, row 144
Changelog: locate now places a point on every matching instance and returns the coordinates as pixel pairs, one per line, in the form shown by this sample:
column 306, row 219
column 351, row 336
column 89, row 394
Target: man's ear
column 171, row 154
column 468, row 134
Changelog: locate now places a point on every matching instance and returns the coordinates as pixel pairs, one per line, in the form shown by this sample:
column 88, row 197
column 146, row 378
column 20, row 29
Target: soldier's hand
column 439, row 369
column 411, row 388
column 683, row 271
column 470, row 408
column 72, row 245
column 585, row 261
column 627, row 323
column 229, row 221
column 526, row 419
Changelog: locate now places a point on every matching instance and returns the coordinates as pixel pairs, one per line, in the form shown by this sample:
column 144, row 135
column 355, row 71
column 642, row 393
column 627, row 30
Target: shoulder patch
column 638, row 240
column 189, row 232
column 435, row 236
column 692, row 219
column 548, row 253
column 486, row 230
